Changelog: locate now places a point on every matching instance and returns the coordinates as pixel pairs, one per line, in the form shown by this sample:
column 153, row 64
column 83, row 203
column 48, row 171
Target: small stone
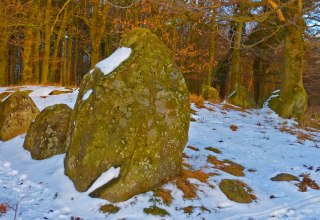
column 237, row 191
column 109, row 208
column 285, row 177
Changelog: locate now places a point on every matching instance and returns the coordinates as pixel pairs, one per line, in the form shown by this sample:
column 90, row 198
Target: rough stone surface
column 285, row 177
column 136, row 118
column 16, row 114
column 46, row 136
column 237, row 191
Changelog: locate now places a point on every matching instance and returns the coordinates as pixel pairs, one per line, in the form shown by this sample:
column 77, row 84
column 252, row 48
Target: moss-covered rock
column 237, row 191
column 46, row 135
column 16, row 114
column 285, row 177
column 209, row 93
column 136, row 118
column 241, row 97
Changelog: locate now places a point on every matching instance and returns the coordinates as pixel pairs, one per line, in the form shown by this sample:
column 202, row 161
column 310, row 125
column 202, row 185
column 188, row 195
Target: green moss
column 137, row 118
column 209, row 93
column 242, row 98
column 109, row 208
column 155, row 210
column 46, row 135
column 236, row 191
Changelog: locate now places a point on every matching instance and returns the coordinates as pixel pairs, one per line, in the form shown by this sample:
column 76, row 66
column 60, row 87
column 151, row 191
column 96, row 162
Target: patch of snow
column 273, row 95
column 112, row 62
column 232, row 93
column 105, row 177
column 87, row 94
column 45, row 192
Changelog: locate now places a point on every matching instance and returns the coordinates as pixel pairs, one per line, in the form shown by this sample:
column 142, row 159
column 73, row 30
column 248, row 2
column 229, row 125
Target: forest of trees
column 256, row 46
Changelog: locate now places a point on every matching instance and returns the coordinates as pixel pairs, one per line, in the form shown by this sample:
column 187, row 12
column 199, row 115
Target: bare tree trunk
column 3, row 59
column 27, row 76
column 47, row 42
column 292, row 101
column 62, row 31
column 36, row 57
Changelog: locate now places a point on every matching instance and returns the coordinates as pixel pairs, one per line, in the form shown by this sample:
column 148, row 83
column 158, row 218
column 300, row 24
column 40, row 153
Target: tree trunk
column 292, row 101
column 36, row 57
column 27, row 76
column 62, row 32
column 212, row 47
column 3, row 59
column 47, row 41
column 235, row 61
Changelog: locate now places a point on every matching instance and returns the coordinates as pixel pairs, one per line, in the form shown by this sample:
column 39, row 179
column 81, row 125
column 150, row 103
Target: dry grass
column 165, row 195
column 227, row 166
column 192, row 111
column 184, row 155
column 186, row 165
column 214, row 150
column 197, row 100
column 227, row 106
column 307, row 182
column 311, row 119
column 234, row 127
column 193, row 148
column 188, row 189
column 3, row 209
column 196, row 174
column 188, row 209
column 301, row 136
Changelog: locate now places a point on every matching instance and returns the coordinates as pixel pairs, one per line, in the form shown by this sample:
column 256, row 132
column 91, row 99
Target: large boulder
column 135, row 117
column 46, row 136
column 16, row 114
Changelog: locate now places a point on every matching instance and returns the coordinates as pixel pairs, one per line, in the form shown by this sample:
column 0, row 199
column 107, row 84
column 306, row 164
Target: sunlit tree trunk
column 27, row 75
column 57, row 46
column 292, row 101
column 47, row 42
column 235, row 60
column 97, row 29
column 36, row 57
column 3, row 58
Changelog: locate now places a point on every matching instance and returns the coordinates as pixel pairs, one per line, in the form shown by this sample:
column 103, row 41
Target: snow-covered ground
column 40, row 190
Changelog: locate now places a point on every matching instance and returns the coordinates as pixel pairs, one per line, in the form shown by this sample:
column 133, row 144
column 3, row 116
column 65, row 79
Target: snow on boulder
column 46, row 135
column 106, row 66
column 136, row 118
column 16, row 114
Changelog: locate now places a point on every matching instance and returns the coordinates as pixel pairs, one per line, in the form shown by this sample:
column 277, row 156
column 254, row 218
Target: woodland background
column 219, row 42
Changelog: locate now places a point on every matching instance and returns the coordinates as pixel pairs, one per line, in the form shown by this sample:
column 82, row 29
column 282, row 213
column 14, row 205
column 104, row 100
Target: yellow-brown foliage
column 197, row 100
